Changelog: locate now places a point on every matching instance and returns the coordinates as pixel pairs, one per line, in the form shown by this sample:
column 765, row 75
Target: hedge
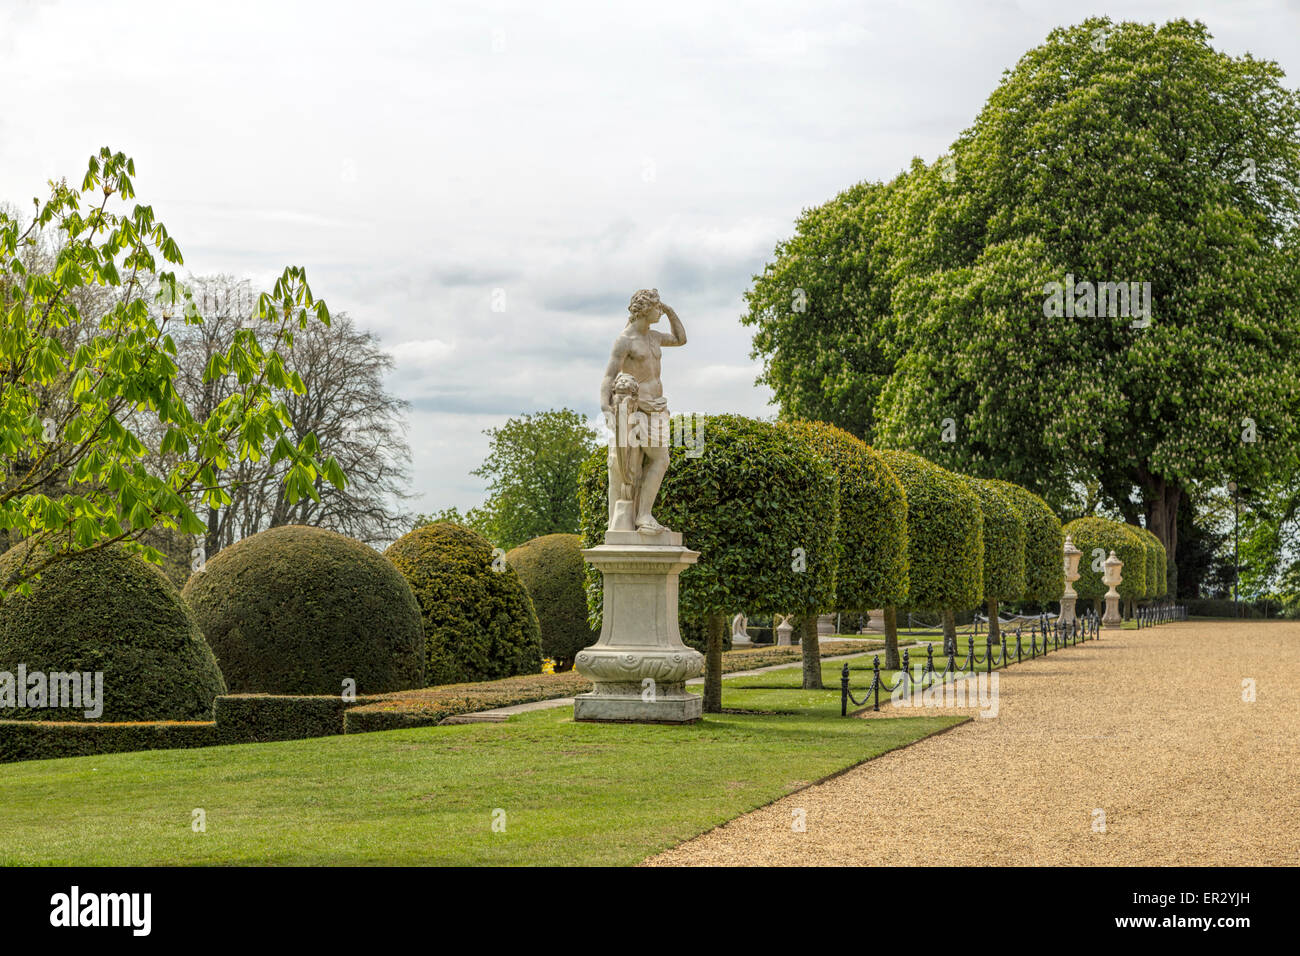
column 1096, row 537
column 1044, row 544
column 1004, row 542
column 110, row 611
column 1157, row 565
column 945, row 535
column 299, row 610
column 479, row 622
column 552, row 569
column 48, row 740
column 872, row 570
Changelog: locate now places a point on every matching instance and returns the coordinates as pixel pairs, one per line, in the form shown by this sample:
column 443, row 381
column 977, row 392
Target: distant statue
column 632, row 398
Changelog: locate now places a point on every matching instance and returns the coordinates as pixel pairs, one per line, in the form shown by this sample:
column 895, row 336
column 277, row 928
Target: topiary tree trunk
column 717, row 627
column 949, row 631
column 812, row 654
column 995, row 626
column 892, row 661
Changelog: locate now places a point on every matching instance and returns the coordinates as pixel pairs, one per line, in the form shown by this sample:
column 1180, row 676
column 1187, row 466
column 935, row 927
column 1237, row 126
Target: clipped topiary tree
column 552, row 569
column 1096, row 537
column 1044, row 544
column 106, row 611
column 872, row 531
column 300, row 610
column 945, row 544
column 1004, row 547
column 479, row 622
column 1157, row 572
column 760, row 507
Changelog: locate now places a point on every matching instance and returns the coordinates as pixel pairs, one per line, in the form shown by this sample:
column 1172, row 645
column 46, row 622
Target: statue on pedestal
column 639, row 666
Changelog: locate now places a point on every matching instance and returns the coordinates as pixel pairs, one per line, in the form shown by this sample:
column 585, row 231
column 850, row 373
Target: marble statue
column 632, row 398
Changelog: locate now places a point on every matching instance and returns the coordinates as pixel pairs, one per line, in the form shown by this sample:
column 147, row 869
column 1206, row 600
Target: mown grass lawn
column 568, row 794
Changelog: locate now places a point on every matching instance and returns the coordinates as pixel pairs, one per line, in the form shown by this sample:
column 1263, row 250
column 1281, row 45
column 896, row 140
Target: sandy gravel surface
column 1148, row 726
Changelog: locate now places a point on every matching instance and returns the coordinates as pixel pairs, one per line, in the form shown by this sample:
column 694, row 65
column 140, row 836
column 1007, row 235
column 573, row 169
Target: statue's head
column 645, row 303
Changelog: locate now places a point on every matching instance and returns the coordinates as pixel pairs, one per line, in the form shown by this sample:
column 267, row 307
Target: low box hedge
column 48, row 739
column 262, row 718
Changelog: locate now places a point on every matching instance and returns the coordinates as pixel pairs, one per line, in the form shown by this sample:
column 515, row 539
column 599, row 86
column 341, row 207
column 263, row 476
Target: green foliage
column 479, row 622
column 1157, row 584
column 1097, row 537
column 46, row 740
column 552, row 569
column 1111, row 153
column 532, row 471
column 1044, row 544
column 259, row 718
column 108, row 610
column 298, row 610
column 821, row 311
column 873, row 519
column 756, row 504
column 945, row 543
column 1004, row 542
column 79, row 390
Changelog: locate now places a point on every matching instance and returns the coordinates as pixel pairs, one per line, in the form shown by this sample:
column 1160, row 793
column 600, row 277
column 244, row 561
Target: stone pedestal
column 825, row 626
column 784, row 630
column 1071, row 555
column 1111, row 577
column 640, row 665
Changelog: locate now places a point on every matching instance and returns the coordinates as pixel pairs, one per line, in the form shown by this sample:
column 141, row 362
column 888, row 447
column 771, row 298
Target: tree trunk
column 717, row 628
column 995, row 626
column 812, row 654
column 1162, row 502
column 892, row 662
column 949, row 631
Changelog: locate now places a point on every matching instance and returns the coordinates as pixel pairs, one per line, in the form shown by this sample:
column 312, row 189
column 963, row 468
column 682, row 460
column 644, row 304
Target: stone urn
column 1072, row 555
column 1111, row 578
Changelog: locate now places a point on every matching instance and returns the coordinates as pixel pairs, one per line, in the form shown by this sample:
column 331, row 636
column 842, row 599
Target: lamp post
column 1236, row 560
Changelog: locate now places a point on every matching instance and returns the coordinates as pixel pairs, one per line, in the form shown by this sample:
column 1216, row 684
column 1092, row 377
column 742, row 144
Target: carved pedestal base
column 640, row 665
column 1112, row 619
column 1067, row 608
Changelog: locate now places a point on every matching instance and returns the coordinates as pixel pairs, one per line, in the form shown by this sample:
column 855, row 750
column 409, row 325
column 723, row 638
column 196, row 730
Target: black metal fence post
column 844, row 690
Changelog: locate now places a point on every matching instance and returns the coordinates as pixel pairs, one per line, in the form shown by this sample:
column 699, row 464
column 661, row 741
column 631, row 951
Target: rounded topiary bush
column 1097, row 538
column 1157, row 571
column 1004, row 543
column 552, row 569
column 1044, row 544
column 479, row 622
column 873, row 518
column 945, row 535
column 109, row 611
column 299, row 610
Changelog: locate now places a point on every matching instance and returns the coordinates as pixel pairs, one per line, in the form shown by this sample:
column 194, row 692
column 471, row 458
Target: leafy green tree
column 75, row 397
column 1004, row 548
column 1156, row 182
column 945, row 543
column 1044, row 544
column 872, row 532
column 763, row 511
column 821, row 311
column 532, row 472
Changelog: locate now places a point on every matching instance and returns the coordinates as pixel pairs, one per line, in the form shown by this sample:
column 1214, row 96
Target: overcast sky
column 417, row 157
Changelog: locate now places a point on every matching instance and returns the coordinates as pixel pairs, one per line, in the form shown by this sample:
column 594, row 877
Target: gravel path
column 1148, row 726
